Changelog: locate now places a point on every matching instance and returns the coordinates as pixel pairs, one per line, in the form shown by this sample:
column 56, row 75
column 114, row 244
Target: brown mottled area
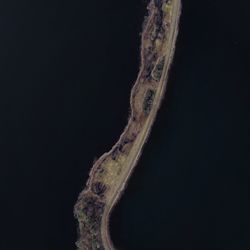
column 89, row 214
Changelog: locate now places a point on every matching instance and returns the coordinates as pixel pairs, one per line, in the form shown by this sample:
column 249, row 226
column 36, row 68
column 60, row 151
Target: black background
column 67, row 68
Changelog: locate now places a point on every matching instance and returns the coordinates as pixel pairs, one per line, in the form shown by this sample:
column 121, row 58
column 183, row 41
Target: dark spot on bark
column 148, row 101
column 98, row 188
column 158, row 69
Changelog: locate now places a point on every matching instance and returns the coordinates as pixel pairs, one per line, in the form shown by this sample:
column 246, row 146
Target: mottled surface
column 110, row 173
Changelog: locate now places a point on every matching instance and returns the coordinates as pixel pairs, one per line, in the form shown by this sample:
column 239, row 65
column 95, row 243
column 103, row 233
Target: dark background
column 67, row 68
